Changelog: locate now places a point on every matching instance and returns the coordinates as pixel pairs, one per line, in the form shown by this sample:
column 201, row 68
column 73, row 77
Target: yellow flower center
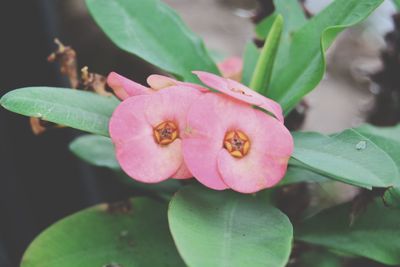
column 165, row 133
column 237, row 143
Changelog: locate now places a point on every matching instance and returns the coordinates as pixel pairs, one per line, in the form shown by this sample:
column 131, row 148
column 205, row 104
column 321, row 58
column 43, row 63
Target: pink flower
column 240, row 92
column 185, row 129
column 229, row 144
column 146, row 130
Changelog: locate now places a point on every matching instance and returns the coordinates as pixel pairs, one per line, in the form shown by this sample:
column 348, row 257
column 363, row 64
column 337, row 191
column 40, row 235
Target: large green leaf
column 375, row 234
column 388, row 139
column 133, row 233
column 348, row 157
column 77, row 109
column 96, row 150
column 296, row 174
column 301, row 60
column 212, row 228
column 153, row 31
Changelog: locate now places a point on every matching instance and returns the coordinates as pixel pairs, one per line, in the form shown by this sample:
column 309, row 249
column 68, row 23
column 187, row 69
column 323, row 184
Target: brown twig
column 66, row 56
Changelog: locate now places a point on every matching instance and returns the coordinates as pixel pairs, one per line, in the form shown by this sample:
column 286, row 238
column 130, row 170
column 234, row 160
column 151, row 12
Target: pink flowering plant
column 207, row 146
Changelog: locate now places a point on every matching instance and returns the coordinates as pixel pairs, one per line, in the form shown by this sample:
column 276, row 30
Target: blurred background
column 41, row 181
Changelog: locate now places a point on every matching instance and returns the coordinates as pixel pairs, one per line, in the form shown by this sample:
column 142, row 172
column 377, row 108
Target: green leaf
column 296, row 174
column 212, row 228
column 217, row 56
column 293, row 15
column 388, row 139
column 348, row 157
column 251, row 54
column 374, row 234
column 96, row 150
column 301, row 60
column 77, row 109
column 133, row 233
column 262, row 29
column 397, row 4
column 263, row 70
column 392, row 197
column 319, row 258
column 154, row 32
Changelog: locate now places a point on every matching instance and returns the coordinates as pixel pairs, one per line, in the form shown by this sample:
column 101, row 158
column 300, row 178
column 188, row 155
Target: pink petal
column 146, row 161
column 158, row 82
column 171, row 104
column 202, row 141
column 231, row 68
column 183, row 172
column 124, row 88
column 127, row 121
column 240, row 92
column 266, row 163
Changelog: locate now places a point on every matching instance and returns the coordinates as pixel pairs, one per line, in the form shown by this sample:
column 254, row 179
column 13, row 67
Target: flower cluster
column 181, row 130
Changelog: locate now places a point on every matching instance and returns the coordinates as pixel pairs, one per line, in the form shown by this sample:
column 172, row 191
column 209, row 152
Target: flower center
column 165, row 133
column 237, row 143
